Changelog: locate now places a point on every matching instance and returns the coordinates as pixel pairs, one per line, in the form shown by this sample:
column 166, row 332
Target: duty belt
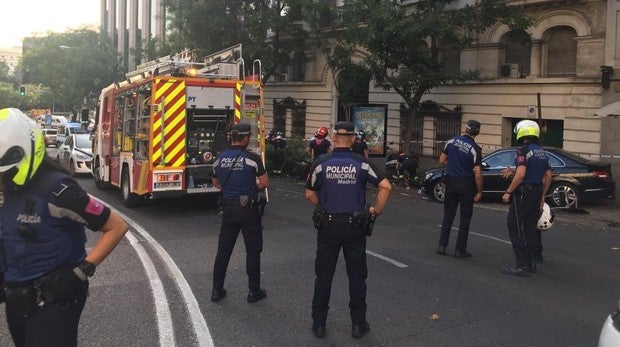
column 242, row 200
column 341, row 218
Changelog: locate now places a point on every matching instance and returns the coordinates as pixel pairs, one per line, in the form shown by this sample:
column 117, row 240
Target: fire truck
column 158, row 133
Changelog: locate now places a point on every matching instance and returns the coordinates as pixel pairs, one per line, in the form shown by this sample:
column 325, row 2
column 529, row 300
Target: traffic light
column 22, row 91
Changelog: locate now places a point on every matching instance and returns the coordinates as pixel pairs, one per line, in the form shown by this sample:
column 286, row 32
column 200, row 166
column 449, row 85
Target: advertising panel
column 372, row 119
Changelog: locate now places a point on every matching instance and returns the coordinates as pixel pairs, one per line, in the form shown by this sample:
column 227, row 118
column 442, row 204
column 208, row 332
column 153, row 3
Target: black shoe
column 318, row 330
column 360, row 330
column 218, row 294
column 254, row 296
column 532, row 268
column 441, row 250
column 516, row 270
column 462, row 254
column 538, row 258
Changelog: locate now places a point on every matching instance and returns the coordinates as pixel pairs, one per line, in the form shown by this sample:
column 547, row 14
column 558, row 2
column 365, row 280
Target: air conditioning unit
column 509, row 71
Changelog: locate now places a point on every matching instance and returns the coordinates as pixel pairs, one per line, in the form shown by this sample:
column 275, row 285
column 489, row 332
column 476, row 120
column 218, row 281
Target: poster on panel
column 372, row 119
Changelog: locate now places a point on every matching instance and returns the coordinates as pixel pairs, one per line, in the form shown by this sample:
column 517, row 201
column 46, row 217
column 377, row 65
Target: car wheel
column 562, row 194
column 438, row 191
column 129, row 199
column 72, row 168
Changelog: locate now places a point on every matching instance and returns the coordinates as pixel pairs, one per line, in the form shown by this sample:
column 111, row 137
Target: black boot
column 520, row 268
column 218, row 292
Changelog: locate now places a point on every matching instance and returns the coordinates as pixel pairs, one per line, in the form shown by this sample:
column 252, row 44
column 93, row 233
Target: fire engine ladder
column 249, row 90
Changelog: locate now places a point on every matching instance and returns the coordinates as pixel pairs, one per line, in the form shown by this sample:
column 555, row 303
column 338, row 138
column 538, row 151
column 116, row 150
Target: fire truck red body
column 158, row 133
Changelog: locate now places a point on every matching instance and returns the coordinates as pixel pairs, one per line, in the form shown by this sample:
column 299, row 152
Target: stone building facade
column 571, row 41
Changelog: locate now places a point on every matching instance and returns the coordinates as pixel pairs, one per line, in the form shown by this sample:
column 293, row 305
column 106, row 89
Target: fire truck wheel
column 99, row 183
column 129, row 199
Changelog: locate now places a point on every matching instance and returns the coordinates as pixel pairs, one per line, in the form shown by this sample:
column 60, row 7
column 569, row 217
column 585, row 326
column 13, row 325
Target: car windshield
column 83, row 141
column 77, row 130
column 50, row 131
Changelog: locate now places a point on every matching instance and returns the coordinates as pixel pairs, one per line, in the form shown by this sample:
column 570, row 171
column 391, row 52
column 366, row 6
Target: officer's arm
column 309, row 152
column 443, row 159
column 216, row 183
column 313, row 197
column 547, row 178
column 262, row 181
column 479, row 178
column 382, row 197
column 516, row 181
column 112, row 232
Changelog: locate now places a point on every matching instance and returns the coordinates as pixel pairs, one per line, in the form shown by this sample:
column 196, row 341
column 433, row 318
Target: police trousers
column 458, row 191
column 522, row 219
column 352, row 240
column 235, row 219
column 54, row 324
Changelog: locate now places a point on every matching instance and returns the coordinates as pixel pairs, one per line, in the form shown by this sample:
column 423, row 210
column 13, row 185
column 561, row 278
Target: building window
column 517, row 50
column 561, row 51
column 450, row 60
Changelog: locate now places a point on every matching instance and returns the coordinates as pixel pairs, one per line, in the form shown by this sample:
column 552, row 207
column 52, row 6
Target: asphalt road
column 155, row 288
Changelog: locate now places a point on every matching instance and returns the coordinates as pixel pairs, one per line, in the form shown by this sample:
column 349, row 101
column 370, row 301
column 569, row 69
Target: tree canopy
column 75, row 65
column 403, row 45
column 270, row 30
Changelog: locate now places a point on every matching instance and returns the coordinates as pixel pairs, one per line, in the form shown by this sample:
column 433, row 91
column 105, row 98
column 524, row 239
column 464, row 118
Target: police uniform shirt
column 535, row 159
column 340, row 179
column 463, row 154
column 64, row 208
column 319, row 146
column 237, row 169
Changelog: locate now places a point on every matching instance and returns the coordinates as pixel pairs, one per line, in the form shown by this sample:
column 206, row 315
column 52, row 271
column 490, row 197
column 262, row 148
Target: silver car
column 75, row 154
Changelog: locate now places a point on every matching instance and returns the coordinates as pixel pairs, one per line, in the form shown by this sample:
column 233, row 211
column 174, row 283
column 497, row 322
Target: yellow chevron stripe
column 174, row 151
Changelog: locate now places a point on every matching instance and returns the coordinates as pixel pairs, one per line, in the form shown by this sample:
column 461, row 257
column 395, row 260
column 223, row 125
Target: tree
column 270, row 30
column 75, row 65
column 402, row 44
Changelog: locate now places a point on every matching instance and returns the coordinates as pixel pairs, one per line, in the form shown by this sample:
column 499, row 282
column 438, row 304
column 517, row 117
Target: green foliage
column 75, row 65
column 294, row 153
column 403, row 44
column 268, row 30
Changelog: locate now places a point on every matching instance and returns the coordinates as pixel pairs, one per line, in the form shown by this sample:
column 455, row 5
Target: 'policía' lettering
column 30, row 219
column 343, row 174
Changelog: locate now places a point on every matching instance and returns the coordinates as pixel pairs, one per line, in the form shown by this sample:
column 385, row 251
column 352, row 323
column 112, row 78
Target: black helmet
column 472, row 127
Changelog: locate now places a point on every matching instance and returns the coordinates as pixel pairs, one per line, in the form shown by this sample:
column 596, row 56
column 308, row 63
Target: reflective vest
column 33, row 241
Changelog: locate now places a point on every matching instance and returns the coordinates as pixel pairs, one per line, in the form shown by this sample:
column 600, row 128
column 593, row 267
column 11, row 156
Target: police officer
column 279, row 143
column 527, row 190
column 463, row 182
column 359, row 145
column 240, row 175
column 320, row 144
column 336, row 187
column 43, row 212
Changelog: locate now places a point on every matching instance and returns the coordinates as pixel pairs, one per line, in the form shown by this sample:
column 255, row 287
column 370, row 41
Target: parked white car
column 610, row 334
column 75, row 154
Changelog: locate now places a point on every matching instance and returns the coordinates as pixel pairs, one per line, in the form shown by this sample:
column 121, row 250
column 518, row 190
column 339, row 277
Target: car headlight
column 82, row 157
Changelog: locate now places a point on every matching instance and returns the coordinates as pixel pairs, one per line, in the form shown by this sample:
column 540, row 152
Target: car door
column 66, row 151
column 493, row 165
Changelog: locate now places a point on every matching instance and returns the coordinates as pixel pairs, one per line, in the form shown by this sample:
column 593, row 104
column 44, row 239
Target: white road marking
column 485, row 236
column 382, row 257
column 201, row 330
column 162, row 308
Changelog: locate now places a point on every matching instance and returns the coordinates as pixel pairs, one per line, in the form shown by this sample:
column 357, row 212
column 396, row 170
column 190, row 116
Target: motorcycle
column 402, row 169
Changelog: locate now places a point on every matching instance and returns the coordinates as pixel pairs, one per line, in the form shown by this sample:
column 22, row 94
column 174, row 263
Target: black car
column 575, row 179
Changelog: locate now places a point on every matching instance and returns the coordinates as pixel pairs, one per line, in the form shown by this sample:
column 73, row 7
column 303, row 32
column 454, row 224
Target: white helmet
column 546, row 219
column 22, row 147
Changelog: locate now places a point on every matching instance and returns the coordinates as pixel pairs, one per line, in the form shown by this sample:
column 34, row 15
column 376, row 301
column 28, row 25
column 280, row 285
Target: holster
column 262, row 202
column 320, row 218
column 369, row 224
column 21, row 301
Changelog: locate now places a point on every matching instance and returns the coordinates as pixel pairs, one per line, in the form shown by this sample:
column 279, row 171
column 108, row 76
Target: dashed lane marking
column 384, row 258
column 485, row 236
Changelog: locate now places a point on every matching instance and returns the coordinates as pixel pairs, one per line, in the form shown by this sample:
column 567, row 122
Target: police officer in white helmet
column 530, row 181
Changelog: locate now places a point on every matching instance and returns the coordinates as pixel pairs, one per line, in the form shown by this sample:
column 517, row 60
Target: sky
column 22, row 18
